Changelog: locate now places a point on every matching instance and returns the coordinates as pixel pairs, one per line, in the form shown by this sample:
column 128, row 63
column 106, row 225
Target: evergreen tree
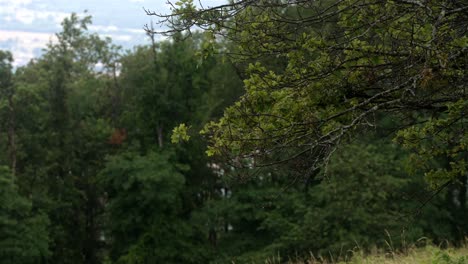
column 23, row 232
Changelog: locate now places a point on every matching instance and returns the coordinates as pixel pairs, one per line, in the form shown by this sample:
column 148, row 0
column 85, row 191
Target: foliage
column 88, row 174
column 23, row 232
column 432, row 142
column 362, row 202
column 144, row 194
column 179, row 134
column 336, row 64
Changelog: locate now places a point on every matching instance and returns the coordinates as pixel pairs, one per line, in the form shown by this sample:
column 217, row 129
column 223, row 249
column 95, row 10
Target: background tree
column 164, row 84
column 7, row 93
column 24, row 234
column 63, row 139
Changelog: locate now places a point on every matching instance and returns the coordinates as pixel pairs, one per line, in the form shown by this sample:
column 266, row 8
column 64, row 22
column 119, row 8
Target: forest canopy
column 326, row 123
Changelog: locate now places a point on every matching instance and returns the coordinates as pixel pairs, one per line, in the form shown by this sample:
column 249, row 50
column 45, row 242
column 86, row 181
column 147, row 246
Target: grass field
column 423, row 255
column 427, row 255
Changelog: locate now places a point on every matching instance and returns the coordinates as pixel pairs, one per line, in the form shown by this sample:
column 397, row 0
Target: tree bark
column 160, row 136
column 12, row 134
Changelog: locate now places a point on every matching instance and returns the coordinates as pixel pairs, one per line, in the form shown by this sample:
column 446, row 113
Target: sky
column 26, row 26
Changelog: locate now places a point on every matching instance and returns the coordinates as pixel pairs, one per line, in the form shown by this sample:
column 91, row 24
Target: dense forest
column 256, row 130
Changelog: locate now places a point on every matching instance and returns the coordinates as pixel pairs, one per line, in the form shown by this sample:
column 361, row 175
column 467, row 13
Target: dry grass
column 428, row 254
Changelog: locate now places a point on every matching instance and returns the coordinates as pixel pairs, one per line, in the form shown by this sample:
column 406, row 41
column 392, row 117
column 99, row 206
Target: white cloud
column 22, row 20
column 15, row 2
column 28, row 16
column 114, row 29
column 103, row 28
column 135, row 30
column 118, row 37
column 17, row 10
column 25, row 43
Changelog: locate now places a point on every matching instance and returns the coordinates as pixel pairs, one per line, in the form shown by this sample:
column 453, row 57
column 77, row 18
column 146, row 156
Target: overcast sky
column 27, row 25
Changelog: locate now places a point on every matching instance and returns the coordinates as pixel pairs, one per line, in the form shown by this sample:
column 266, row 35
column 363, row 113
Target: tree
column 63, row 131
column 163, row 84
column 23, row 232
column 365, row 201
column 7, row 92
column 340, row 64
column 144, row 210
column 23, row 229
column 73, row 162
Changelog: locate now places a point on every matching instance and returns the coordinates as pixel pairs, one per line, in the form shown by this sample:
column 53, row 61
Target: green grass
column 429, row 254
column 426, row 255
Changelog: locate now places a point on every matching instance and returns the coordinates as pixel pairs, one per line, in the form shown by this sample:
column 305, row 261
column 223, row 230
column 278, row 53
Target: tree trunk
column 160, row 136
column 12, row 135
